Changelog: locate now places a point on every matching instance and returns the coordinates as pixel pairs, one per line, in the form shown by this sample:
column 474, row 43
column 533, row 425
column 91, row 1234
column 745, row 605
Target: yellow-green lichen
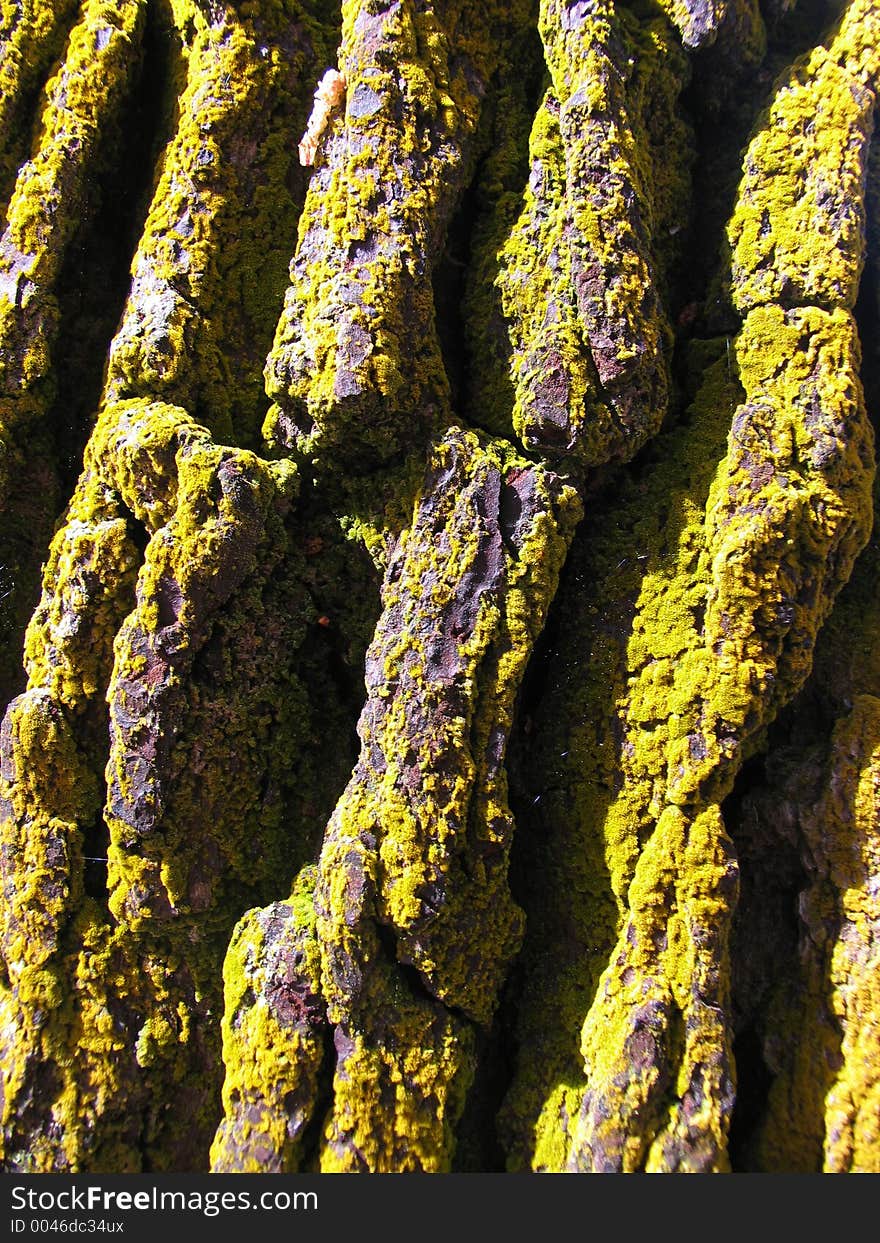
column 414, row 861
column 208, row 276
column 822, row 1106
column 814, row 1015
column 193, row 565
column 273, row 1036
column 656, row 1041
column 359, row 313
column 83, row 99
column 47, row 791
column 215, row 617
column 698, row 20
column 54, row 194
column 590, row 810
column 443, row 671
column 579, row 280
column 798, row 232
column 161, row 772
column 723, row 627
column 719, row 634
column 32, row 33
column 732, row 29
column 112, row 979
column 403, row 1061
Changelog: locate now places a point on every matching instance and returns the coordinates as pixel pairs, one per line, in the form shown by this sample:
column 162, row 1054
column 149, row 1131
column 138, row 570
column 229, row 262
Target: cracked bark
column 459, row 641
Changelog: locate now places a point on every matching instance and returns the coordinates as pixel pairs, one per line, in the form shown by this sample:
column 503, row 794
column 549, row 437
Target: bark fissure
column 449, row 725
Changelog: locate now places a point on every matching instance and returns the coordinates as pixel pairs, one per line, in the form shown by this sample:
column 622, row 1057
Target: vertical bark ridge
column 578, row 329
column 77, row 141
column 176, row 597
column 356, row 372
column 807, row 824
column 486, row 865
column 32, row 35
column 392, row 844
column 716, row 636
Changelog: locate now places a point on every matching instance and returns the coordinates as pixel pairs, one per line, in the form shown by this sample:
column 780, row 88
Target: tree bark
column 439, row 603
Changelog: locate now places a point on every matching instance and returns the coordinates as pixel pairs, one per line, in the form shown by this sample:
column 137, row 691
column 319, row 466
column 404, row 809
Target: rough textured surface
column 32, row 34
column 447, row 730
column 814, row 1022
column 356, row 372
column 732, row 571
column 198, row 323
column 579, row 326
column 626, row 679
column 414, row 863
column 193, row 659
column 53, row 194
column 273, row 1036
column 163, row 706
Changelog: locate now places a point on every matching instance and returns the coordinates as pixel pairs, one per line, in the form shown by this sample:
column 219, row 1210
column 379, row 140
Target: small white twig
column 329, row 95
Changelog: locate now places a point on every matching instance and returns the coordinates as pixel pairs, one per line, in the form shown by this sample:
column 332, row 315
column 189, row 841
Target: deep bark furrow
column 198, row 652
column 719, row 633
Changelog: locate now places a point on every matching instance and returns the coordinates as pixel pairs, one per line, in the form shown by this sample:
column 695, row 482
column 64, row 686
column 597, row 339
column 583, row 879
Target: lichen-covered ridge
column 174, row 605
column 412, row 902
column 583, row 271
column 397, row 841
column 356, row 373
column 31, row 36
column 701, row 647
column 411, row 772
column 805, row 827
column 76, row 142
